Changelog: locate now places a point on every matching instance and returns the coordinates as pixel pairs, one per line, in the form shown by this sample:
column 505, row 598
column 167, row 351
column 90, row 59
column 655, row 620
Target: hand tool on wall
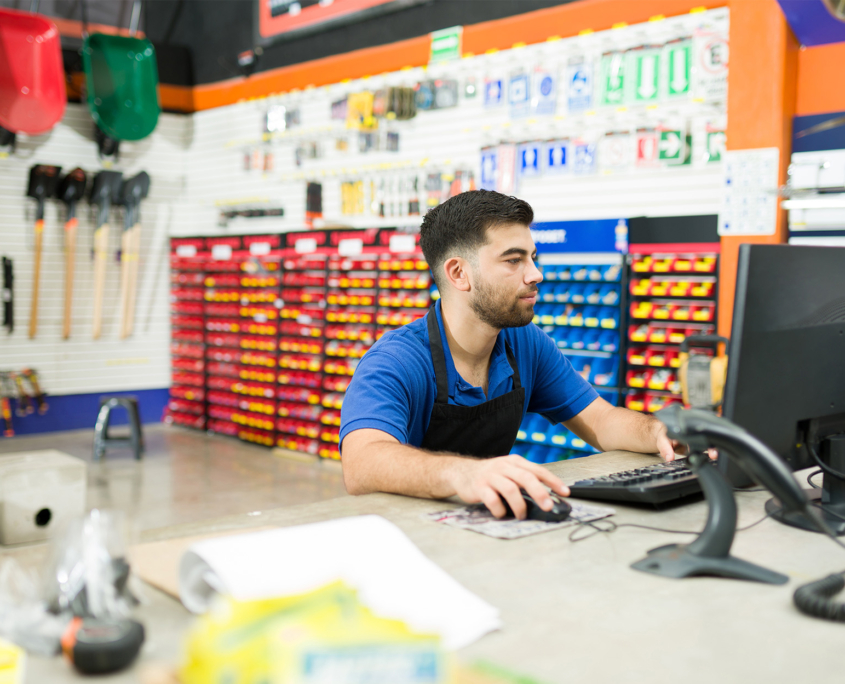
column 24, row 404
column 71, row 189
column 42, row 184
column 6, row 391
column 105, row 191
column 8, row 295
column 133, row 191
column 37, row 393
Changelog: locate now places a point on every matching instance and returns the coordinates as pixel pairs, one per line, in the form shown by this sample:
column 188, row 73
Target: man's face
column 505, row 280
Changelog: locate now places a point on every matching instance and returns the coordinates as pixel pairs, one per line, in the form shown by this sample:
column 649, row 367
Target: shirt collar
column 500, row 368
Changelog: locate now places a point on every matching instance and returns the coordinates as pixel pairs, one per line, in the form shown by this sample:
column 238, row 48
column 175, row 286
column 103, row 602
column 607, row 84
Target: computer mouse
column 560, row 510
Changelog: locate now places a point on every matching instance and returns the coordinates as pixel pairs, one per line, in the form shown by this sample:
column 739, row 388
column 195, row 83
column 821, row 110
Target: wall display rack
column 673, row 294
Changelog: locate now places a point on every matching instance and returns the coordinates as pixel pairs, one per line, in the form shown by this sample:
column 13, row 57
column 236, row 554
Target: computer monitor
column 786, row 364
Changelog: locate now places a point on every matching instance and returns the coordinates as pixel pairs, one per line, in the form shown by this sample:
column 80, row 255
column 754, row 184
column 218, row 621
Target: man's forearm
column 400, row 469
column 626, row 430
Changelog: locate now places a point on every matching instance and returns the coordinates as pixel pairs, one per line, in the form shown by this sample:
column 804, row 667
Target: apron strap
column 438, row 358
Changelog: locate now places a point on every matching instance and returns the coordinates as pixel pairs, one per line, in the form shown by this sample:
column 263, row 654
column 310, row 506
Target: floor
column 188, row 476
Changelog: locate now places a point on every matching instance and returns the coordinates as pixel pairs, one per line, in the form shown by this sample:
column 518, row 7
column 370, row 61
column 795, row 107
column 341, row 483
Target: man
column 434, row 407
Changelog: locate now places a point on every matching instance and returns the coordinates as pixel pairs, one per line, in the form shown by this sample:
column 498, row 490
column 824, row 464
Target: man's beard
column 499, row 308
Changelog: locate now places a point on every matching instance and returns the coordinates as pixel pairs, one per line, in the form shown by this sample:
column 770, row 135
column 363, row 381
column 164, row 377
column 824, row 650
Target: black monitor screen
column 786, row 358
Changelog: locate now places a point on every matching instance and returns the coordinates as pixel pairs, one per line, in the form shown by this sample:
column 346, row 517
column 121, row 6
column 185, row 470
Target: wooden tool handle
column 101, row 253
column 70, row 260
column 36, row 278
column 135, row 266
column 125, row 270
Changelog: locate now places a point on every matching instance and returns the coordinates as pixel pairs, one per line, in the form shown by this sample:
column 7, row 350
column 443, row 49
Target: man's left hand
column 670, row 448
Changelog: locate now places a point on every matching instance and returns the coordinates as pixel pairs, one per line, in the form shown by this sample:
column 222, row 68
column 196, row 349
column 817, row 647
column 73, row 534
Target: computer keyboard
column 655, row 484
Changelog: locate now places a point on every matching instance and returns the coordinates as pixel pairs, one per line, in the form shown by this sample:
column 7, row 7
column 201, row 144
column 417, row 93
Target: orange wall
column 821, row 80
column 761, row 103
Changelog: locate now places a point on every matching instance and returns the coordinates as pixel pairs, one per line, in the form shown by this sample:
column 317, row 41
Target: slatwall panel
column 446, row 140
column 80, row 364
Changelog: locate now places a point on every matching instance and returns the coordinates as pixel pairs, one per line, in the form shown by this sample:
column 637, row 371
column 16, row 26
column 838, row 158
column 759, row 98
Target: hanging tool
column 71, row 189
column 8, row 295
column 105, row 191
column 32, row 378
column 33, row 94
column 121, row 78
column 133, row 191
column 24, row 404
column 6, row 391
column 42, row 184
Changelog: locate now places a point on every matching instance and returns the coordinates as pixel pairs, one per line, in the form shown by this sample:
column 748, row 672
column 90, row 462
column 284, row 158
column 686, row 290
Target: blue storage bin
column 592, row 340
column 576, row 317
column 561, row 314
column 576, row 339
column 609, row 318
column 578, row 272
column 592, row 316
column 561, row 337
column 549, row 272
column 592, row 294
column 612, row 273
column 595, row 272
column 547, row 293
column 536, row 454
column 558, row 435
column 576, row 294
column 608, row 295
column 609, row 341
column 553, row 455
column 564, row 273
column 605, row 372
column 563, row 293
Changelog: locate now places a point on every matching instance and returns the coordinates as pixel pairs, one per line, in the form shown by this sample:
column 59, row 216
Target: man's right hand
column 490, row 480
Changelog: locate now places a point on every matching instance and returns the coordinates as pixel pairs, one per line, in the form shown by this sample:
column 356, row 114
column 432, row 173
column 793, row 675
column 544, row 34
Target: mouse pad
column 478, row 518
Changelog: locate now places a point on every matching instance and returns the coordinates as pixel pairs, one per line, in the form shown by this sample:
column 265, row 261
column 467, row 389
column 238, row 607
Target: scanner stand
column 709, row 554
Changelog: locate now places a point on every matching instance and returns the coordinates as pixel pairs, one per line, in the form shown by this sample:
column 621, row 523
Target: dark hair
column 458, row 227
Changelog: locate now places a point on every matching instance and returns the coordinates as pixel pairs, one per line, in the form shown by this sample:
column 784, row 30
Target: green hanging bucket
column 121, row 79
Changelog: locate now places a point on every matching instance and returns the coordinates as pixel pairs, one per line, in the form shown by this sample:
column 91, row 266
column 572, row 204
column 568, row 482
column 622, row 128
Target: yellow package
column 325, row 636
column 359, row 111
column 12, row 663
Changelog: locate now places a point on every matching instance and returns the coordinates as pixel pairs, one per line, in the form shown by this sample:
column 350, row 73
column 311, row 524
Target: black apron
column 485, row 430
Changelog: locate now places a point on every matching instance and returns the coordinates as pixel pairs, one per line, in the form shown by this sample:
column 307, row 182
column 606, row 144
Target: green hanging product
column 121, row 78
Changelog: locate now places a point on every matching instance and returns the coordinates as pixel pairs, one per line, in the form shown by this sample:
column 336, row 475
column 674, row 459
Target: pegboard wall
column 80, row 364
column 640, row 111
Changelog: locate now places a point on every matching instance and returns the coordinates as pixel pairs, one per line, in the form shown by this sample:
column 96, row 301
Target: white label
column 350, row 247
column 402, row 243
column 306, row 246
column 259, row 248
column 186, row 251
column 221, row 252
column 750, row 192
column 260, row 318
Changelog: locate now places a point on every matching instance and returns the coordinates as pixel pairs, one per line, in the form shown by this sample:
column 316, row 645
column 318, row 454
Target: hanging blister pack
column 8, row 295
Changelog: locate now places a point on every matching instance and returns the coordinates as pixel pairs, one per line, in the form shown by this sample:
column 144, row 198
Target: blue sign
column 528, row 160
column 493, row 92
column 519, row 95
column 556, row 157
column 584, row 158
column 600, row 235
column 545, row 93
column 579, row 86
column 489, row 168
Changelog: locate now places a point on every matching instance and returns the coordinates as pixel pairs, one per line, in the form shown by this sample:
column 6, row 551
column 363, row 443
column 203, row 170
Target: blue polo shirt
column 394, row 387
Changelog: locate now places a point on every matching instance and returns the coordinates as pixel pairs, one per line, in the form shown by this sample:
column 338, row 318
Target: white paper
column 350, row 247
column 750, row 192
column 259, row 248
column 402, row 243
column 392, row 576
column 186, row 251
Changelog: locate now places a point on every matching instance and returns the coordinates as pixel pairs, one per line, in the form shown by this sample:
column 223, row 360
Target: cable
column 811, row 476
column 816, row 598
column 613, row 526
column 824, row 466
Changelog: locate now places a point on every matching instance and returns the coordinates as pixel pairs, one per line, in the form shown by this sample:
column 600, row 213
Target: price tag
column 259, row 248
column 186, row 251
column 260, row 318
column 350, row 247
column 305, row 246
column 221, row 252
column 402, row 243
